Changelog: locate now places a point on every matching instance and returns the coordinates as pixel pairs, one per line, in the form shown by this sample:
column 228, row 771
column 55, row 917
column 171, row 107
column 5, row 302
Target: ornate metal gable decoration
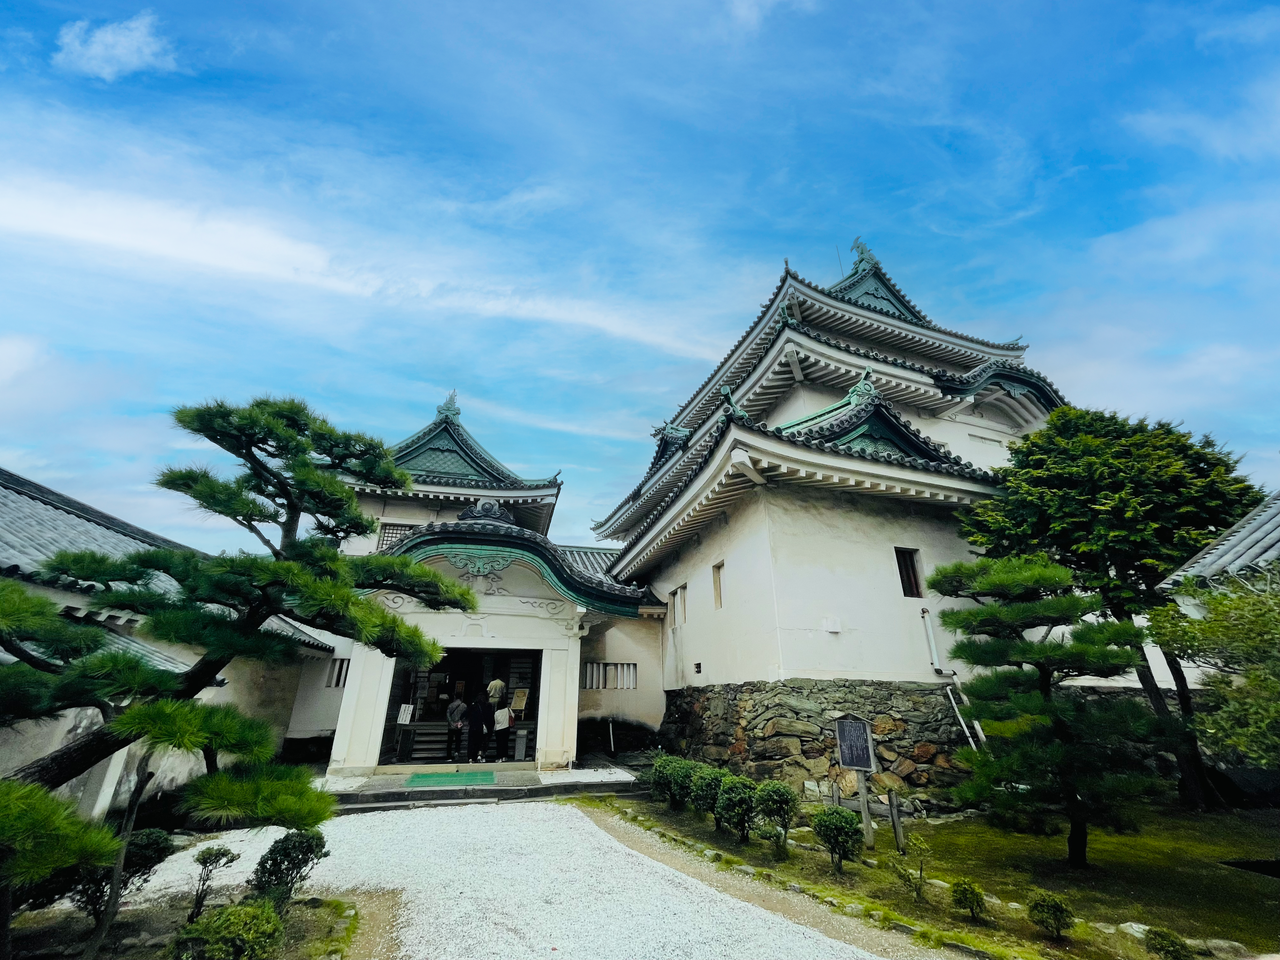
column 487, row 509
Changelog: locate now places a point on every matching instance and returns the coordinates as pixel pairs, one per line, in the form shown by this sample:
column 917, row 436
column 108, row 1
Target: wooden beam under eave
column 740, row 460
column 794, row 362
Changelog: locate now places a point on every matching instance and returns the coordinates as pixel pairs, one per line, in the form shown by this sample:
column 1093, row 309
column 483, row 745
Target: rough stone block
column 714, row 753
column 1134, row 929
column 886, row 753
column 903, row 767
column 855, row 910
column 924, row 752
column 940, row 884
column 788, row 727
column 887, row 781
column 903, row 927
column 744, row 868
column 776, row 749
column 795, row 888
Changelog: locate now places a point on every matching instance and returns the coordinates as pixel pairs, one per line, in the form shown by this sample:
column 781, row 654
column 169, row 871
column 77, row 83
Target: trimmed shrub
column 840, row 831
column 1048, row 911
column 910, row 867
column 736, row 806
column 706, row 790
column 660, row 776
column 251, row 930
column 208, row 860
column 286, row 865
column 680, row 775
column 967, row 895
column 1166, row 944
column 147, row 850
column 777, row 804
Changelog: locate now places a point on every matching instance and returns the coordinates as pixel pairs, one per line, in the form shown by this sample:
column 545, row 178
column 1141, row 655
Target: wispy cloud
column 1250, row 131
column 114, row 50
column 749, row 13
column 1257, row 26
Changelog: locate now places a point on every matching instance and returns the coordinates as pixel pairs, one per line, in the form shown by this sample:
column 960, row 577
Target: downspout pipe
column 935, row 661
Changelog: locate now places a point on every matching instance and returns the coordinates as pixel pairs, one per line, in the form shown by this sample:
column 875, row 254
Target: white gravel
column 526, row 880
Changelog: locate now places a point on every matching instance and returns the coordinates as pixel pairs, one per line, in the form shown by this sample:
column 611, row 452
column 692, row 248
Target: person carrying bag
column 504, row 720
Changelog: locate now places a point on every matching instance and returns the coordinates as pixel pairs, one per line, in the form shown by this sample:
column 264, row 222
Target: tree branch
column 275, row 551
column 19, row 652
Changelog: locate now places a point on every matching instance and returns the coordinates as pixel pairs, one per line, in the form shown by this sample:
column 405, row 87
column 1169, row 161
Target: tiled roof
column 592, row 560
column 36, row 522
column 1250, row 544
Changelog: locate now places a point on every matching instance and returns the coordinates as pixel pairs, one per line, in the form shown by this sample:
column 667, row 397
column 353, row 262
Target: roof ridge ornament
column 864, row 390
column 727, row 392
column 866, row 258
column 449, row 409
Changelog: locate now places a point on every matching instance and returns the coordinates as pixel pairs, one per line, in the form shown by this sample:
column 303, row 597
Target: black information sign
column 854, row 740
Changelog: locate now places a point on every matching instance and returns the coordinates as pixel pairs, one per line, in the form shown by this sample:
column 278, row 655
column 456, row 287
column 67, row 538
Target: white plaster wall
column 797, row 563
column 835, row 567
column 981, row 437
column 739, row 641
column 802, row 400
column 626, row 641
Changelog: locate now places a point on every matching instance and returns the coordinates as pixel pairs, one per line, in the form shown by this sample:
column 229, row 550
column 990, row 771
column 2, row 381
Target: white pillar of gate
column 363, row 716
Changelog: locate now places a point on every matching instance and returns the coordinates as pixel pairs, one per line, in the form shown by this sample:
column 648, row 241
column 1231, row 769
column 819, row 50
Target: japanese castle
column 793, row 508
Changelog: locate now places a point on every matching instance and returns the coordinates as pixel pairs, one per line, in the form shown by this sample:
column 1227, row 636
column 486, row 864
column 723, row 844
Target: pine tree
column 1049, row 747
column 1122, row 504
column 291, row 493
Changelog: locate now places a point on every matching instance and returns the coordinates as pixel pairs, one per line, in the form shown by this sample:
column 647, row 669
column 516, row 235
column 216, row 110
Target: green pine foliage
column 840, row 831
column 736, row 806
column 1237, row 636
column 256, row 796
column 1120, row 503
column 778, row 806
column 40, row 835
column 1050, row 912
column 967, row 895
column 291, row 493
column 1049, row 748
column 251, row 930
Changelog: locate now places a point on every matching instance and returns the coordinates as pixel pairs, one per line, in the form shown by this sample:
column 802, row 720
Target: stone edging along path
column 887, row 919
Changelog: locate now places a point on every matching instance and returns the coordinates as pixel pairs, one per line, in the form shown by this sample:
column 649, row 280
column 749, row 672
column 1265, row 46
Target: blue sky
column 568, row 212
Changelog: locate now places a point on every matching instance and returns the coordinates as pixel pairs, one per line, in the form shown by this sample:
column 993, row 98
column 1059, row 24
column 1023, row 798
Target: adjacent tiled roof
column 568, row 561
column 591, row 560
column 1251, row 543
column 36, row 522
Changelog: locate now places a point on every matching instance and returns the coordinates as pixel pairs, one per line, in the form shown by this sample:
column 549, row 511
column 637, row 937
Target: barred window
column 389, row 533
column 337, row 676
column 608, row 676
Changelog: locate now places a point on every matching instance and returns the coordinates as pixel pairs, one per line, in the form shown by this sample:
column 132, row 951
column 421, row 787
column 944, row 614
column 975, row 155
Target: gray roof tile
column 1253, row 542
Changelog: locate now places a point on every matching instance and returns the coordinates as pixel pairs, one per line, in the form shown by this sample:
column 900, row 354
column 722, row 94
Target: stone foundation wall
column 785, row 730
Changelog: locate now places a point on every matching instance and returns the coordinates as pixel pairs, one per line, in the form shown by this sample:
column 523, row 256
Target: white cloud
column 1249, row 132
column 749, row 13
column 1255, row 27
column 222, row 240
column 115, row 49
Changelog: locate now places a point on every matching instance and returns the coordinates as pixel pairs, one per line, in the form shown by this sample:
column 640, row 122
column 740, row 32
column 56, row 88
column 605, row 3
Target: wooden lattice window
column 608, row 676
column 389, row 533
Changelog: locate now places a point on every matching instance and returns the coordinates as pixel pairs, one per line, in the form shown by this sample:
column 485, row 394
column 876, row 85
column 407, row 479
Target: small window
column 697, row 667
column 337, row 676
column 389, row 533
column 908, row 571
column 717, row 574
column 608, row 676
column 679, row 603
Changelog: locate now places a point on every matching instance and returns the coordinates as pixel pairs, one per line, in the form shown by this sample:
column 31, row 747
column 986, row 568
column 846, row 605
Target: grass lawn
column 1169, row 875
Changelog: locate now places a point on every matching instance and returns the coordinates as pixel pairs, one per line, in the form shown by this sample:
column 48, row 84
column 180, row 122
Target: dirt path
column 794, row 906
column 376, row 938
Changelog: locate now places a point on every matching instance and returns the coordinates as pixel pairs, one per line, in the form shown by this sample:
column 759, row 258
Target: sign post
column 854, row 744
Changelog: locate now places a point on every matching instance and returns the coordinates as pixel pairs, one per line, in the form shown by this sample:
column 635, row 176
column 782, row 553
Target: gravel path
column 527, row 880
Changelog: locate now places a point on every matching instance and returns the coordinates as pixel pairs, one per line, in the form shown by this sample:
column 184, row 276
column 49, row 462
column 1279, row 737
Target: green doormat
column 467, row 778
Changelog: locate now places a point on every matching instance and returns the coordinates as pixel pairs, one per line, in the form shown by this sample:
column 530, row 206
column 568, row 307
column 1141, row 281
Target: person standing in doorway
column 503, row 721
column 497, row 691
column 479, row 726
column 456, row 717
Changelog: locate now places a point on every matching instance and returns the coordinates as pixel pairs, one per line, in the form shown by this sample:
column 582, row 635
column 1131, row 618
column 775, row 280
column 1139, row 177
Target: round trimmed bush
column 1166, row 944
column 967, row 895
column 660, row 776
column 736, row 806
column 777, row 804
column 251, row 930
column 680, row 775
column 840, row 831
column 1051, row 912
column 706, row 789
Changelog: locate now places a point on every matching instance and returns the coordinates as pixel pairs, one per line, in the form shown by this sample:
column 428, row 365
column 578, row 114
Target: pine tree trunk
column 6, row 914
column 1180, row 684
column 145, row 776
column 1078, row 842
column 1194, row 789
column 210, row 759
